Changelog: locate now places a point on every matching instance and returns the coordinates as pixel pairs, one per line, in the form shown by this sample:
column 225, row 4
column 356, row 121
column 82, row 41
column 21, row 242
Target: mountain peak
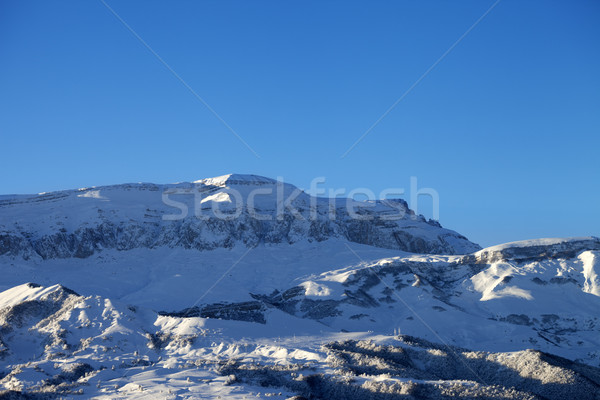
column 207, row 214
column 236, row 179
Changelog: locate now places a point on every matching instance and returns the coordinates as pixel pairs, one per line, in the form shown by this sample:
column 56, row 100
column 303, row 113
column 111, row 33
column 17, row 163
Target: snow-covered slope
column 405, row 326
column 127, row 304
column 207, row 214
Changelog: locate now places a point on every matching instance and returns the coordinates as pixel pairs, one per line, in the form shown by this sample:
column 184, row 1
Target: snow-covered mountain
column 217, row 213
column 103, row 297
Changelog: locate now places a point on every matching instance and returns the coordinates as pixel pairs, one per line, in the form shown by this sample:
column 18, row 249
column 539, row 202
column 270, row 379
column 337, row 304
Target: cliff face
column 208, row 214
column 537, row 249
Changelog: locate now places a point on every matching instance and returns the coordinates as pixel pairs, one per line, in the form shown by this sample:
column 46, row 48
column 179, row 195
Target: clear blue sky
column 506, row 127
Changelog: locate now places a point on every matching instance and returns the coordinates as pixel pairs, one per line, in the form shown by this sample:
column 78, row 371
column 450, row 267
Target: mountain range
column 243, row 286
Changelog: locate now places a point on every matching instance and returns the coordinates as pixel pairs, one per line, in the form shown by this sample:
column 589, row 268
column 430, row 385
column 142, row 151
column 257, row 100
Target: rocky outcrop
column 531, row 250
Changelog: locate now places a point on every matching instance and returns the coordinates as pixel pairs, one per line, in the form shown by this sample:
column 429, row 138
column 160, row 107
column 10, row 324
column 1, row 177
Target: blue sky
column 505, row 128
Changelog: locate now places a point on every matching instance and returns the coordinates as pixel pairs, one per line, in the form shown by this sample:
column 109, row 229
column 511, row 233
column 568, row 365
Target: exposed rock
column 531, row 250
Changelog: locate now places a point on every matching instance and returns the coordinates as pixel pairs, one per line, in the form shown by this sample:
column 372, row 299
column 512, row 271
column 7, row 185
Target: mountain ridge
column 153, row 291
column 79, row 223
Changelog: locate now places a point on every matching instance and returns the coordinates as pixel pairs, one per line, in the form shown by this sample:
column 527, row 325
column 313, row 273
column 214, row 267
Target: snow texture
column 125, row 305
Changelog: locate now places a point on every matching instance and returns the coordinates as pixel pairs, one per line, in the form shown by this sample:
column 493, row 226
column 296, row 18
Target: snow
column 536, row 242
column 488, row 281
column 235, row 179
column 186, row 365
column 94, row 194
column 24, row 292
column 270, row 315
column 313, row 289
column 591, row 265
column 151, row 215
column 219, row 198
